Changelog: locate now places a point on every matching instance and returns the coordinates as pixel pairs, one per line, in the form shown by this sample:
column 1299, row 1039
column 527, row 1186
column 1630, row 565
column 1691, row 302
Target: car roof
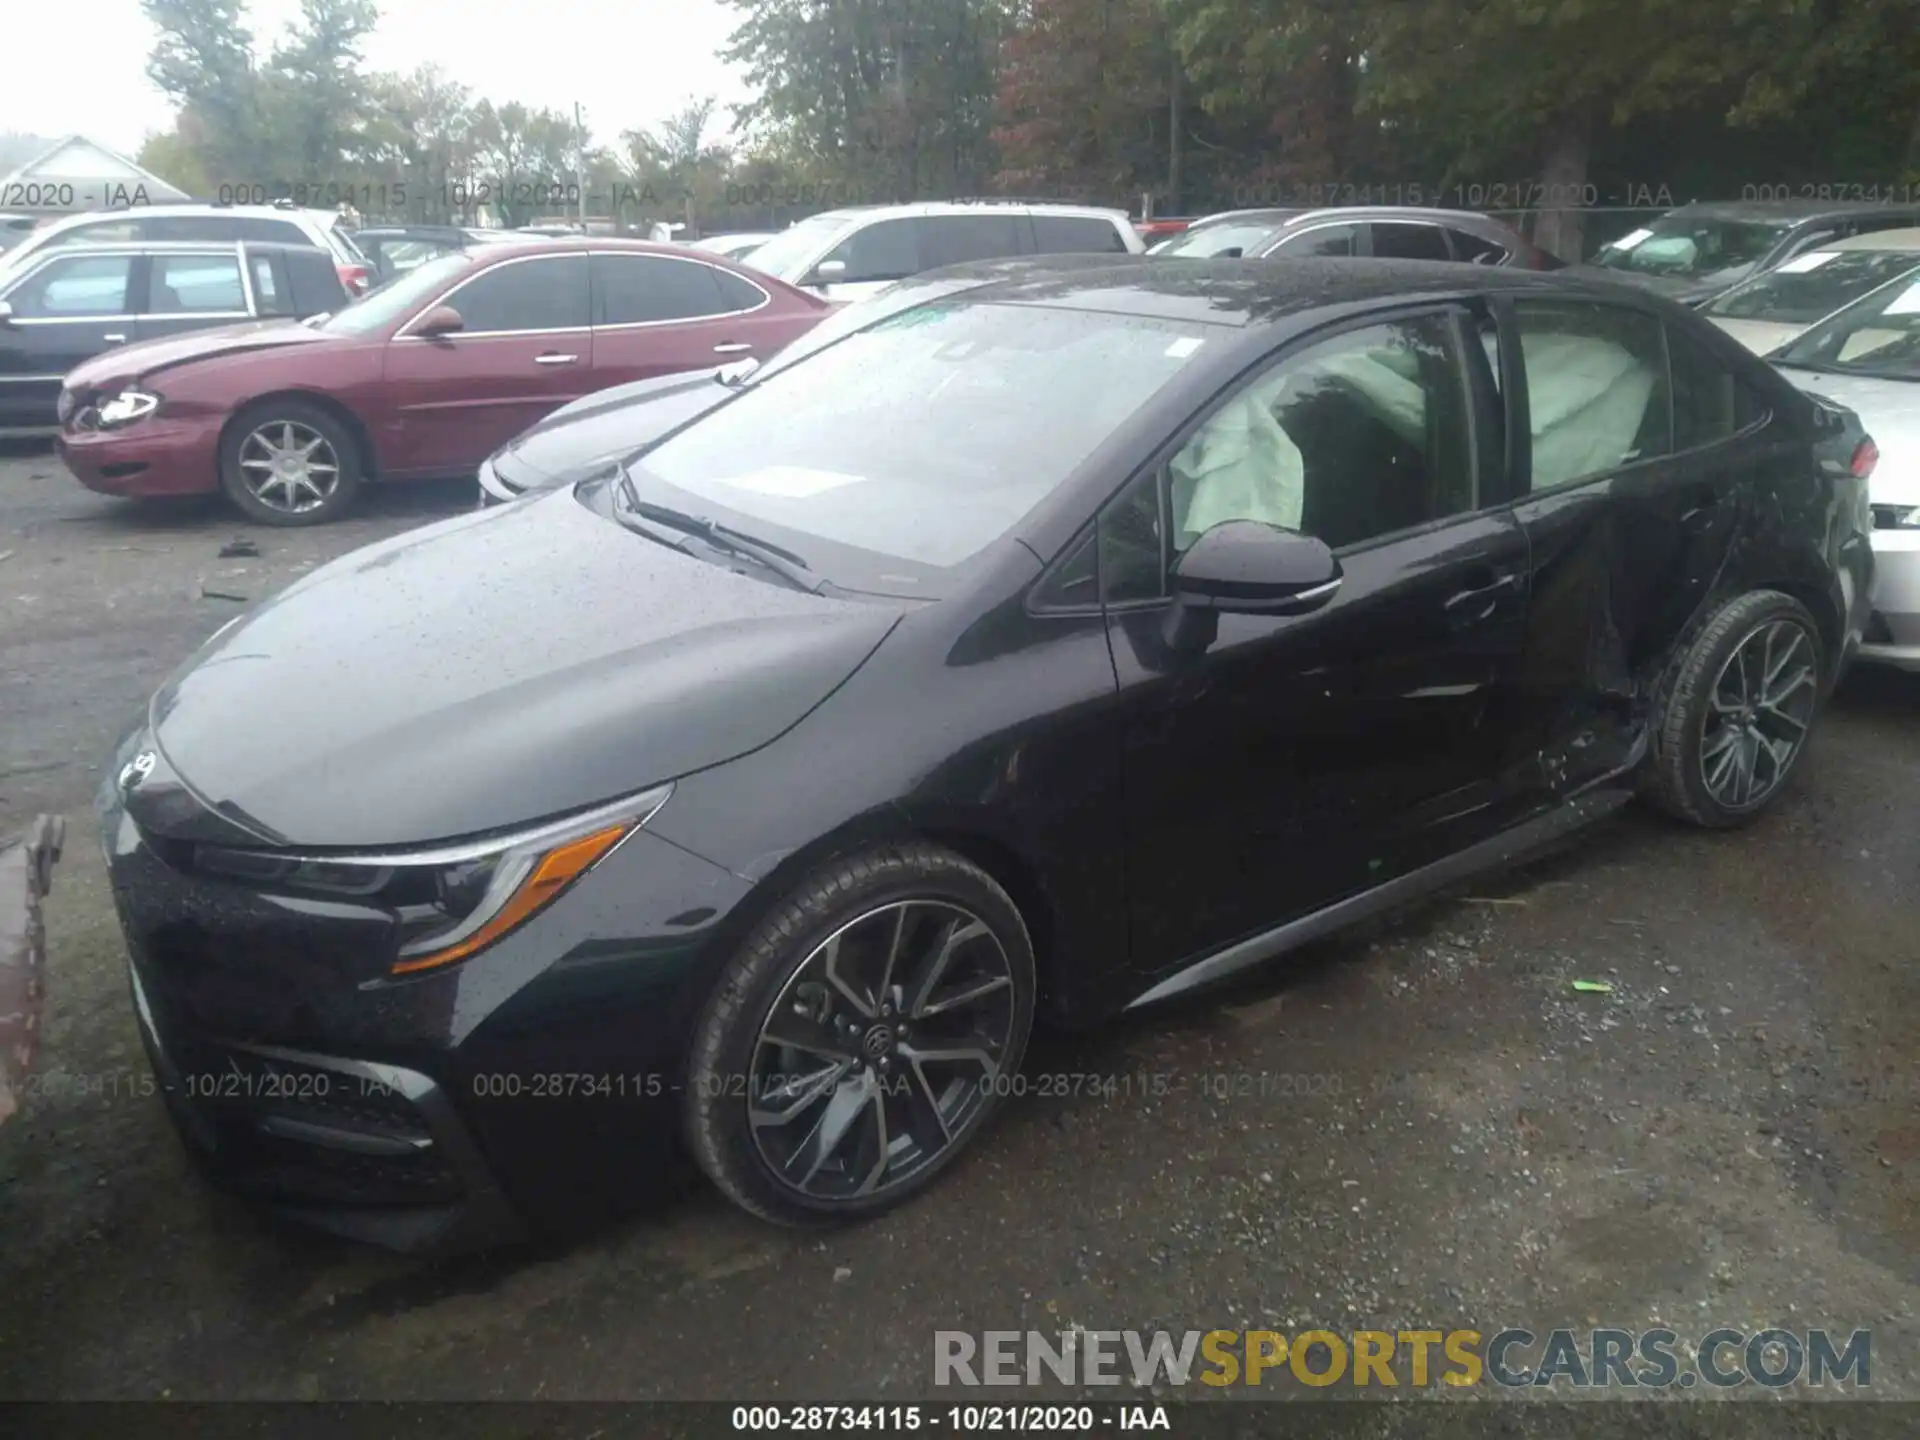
column 1247, row 294
column 266, row 212
column 851, row 213
column 563, row 244
column 1788, row 211
column 166, row 247
column 1879, row 240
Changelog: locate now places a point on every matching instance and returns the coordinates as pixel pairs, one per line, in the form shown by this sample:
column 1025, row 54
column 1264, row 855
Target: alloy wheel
column 1758, row 714
column 882, row 1050
column 289, row 467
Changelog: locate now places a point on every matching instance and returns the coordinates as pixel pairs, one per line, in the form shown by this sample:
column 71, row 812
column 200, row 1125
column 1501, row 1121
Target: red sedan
column 425, row 377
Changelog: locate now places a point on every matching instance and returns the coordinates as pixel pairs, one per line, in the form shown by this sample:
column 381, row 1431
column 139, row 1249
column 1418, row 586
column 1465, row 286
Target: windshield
column 1208, row 241
column 387, row 305
column 1812, row 286
column 926, row 436
column 790, row 254
column 1688, row 245
column 1876, row 335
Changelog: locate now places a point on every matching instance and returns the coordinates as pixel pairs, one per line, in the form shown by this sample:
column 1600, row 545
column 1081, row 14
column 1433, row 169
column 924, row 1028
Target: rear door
column 995, row 233
column 1407, row 240
column 1634, row 479
column 192, row 290
column 66, row 310
column 526, row 348
column 1076, row 235
column 659, row 314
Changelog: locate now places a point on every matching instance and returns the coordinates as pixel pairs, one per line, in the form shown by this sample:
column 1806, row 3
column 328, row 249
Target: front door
column 525, row 348
column 1634, row 495
column 65, row 310
column 1298, row 760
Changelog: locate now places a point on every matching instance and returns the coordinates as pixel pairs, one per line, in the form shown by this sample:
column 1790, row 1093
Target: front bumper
column 1893, row 636
column 504, row 480
column 533, row 1089
column 26, row 875
column 151, row 457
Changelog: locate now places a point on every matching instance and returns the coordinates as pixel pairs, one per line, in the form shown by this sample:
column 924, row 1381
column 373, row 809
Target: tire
column 806, row 970
column 264, row 430
column 1694, row 766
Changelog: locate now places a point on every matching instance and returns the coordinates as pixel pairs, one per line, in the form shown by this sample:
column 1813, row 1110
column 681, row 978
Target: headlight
column 1896, row 517
column 451, row 901
column 127, row 407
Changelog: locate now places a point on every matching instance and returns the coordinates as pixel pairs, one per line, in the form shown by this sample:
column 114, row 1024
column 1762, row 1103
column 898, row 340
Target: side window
column 956, row 239
column 549, row 293
column 194, row 284
column 648, row 289
column 74, row 288
column 1321, row 240
column 1075, row 234
column 188, row 228
column 314, row 282
column 102, row 232
column 884, row 250
column 1356, row 437
column 737, row 294
column 271, row 293
column 251, row 227
column 1596, row 388
column 1476, row 249
column 1703, row 393
column 1396, row 240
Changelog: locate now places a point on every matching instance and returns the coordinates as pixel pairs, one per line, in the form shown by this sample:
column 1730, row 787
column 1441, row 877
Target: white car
column 1867, row 357
column 734, row 247
column 277, row 224
column 853, row 253
column 1780, row 304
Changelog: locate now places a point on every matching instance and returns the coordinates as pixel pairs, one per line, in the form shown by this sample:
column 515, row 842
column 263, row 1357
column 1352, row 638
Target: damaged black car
column 1031, row 653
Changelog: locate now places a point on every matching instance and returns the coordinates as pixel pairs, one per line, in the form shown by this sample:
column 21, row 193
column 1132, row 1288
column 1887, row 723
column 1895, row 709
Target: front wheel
column 861, row 1037
column 1737, row 710
column 288, row 462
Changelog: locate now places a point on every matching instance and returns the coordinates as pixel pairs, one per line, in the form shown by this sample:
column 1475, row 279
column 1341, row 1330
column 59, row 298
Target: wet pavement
column 1418, row 1125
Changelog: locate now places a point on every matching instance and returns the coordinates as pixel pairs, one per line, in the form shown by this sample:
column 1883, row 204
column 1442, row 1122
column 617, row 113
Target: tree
column 203, row 59
column 417, row 140
column 520, row 158
column 315, row 94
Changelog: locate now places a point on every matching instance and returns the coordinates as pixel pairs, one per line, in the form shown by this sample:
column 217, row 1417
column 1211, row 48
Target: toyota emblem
column 136, row 770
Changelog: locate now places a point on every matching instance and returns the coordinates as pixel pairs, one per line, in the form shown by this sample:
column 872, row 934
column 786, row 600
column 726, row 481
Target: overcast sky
column 79, row 66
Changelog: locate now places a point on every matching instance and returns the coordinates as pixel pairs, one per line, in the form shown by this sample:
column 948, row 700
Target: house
column 75, row 174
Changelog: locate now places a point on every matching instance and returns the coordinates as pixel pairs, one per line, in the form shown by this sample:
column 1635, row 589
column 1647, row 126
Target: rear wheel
column 288, row 462
column 861, row 1037
column 1737, row 711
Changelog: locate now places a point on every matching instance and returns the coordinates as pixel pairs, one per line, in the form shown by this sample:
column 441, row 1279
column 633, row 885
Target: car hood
column 148, row 357
column 1759, row 336
column 605, row 426
column 506, row 666
column 1890, row 411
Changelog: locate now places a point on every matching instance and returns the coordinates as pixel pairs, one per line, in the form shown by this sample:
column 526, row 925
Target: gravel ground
column 1417, row 1125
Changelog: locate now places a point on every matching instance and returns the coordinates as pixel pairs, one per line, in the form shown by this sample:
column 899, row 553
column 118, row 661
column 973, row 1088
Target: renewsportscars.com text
column 1515, row 1358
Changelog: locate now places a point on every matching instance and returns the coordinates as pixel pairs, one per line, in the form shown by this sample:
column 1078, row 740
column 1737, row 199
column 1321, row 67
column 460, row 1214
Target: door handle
column 1702, row 508
column 1478, row 602
column 552, row 359
column 733, row 347
column 114, row 339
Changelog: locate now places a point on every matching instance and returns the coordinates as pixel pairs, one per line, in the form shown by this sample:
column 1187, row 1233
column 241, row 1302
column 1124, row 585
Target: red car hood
column 145, row 357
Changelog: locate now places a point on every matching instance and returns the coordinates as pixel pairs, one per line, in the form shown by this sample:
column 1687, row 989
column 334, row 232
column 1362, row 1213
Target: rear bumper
column 1893, row 635
column 150, row 457
column 26, row 874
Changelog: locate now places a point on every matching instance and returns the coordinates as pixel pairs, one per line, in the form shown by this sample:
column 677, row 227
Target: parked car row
column 1045, row 639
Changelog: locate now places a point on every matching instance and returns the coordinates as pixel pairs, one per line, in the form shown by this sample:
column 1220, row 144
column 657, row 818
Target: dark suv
column 70, row 303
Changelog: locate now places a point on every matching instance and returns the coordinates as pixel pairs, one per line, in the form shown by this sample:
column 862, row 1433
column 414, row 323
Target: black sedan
column 1043, row 650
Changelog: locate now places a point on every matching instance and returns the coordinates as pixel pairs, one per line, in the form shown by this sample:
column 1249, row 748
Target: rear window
column 316, row 284
column 279, row 232
column 1076, row 234
column 342, row 244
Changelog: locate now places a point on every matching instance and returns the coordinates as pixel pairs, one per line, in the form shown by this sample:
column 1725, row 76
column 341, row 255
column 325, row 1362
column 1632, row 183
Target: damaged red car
column 422, row 378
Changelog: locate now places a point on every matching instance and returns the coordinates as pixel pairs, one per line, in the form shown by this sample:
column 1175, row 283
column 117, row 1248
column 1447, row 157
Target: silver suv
column 853, row 253
column 196, row 224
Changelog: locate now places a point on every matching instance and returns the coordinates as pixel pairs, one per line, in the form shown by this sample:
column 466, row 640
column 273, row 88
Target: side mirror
column 6, row 313
column 441, row 320
column 828, row 271
column 1246, row 567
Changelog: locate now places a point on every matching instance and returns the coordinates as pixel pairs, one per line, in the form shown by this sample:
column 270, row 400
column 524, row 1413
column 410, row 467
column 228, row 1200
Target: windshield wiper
column 784, row 563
